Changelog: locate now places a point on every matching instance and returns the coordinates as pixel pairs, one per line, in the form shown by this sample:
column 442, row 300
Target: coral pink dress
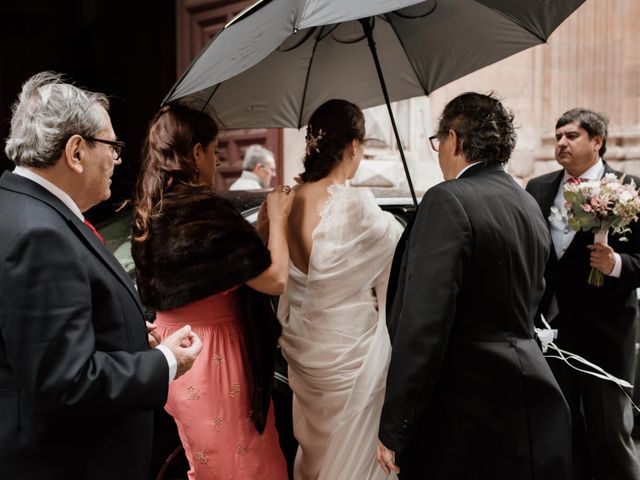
column 211, row 402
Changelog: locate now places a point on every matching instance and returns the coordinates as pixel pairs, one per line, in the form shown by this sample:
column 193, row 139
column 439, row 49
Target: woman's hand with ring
column 279, row 202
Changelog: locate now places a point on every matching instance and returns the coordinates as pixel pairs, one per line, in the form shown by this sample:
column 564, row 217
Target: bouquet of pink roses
column 600, row 207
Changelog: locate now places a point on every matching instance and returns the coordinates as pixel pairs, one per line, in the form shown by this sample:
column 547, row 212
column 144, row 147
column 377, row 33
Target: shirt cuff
column 617, row 266
column 171, row 361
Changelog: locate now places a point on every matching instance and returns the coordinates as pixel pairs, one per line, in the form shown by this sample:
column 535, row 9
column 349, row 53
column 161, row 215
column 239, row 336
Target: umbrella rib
column 245, row 13
column 512, row 19
column 188, row 69
column 306, row 80
column 395, row 32
column 213, row 90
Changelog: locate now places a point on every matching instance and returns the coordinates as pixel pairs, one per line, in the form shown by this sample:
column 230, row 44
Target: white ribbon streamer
column 547, row 335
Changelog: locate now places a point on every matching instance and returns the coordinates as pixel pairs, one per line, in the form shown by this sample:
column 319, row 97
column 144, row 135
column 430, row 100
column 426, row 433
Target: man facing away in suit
column 78, row 381
column 469, row 394
column 597, row 323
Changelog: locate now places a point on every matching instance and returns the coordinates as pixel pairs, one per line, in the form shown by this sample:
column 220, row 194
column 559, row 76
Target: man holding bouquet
column 596, row 322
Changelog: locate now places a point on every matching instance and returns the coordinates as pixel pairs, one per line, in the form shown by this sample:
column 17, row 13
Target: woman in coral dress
column 198, row 262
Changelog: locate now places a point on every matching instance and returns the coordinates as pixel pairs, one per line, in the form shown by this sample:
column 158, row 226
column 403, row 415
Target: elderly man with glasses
column 258, row 167
column 78, row 379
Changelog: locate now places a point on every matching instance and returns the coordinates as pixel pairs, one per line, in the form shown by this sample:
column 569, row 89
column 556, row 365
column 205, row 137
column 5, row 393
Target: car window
column 117, row 238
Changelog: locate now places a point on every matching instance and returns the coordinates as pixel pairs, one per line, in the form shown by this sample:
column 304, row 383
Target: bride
column 333, row 314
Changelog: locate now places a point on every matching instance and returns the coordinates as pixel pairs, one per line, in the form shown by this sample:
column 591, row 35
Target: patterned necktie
column 575, row 181
column 93, row 229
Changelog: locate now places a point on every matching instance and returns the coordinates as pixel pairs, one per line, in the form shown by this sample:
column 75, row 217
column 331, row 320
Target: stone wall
column 592, row 60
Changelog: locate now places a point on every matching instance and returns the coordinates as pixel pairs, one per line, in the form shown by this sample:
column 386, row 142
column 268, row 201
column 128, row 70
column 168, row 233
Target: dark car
column 168, row 460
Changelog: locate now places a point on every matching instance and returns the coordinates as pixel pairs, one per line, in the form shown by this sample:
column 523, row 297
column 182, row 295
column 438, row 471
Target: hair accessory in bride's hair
column 312, row 140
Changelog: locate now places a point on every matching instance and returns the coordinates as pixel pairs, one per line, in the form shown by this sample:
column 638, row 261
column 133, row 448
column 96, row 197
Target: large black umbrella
column 277, row 61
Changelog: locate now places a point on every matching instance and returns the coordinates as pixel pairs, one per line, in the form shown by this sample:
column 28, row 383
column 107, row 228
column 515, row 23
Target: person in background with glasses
column 78, row 379
column 258, row 167
column 468, row 392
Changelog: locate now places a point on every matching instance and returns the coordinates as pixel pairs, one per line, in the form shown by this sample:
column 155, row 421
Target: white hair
column 49, row 111
column 255, row 155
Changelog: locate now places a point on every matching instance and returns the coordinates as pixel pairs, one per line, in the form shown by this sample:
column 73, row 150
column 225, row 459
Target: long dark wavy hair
column 167, row 159
column 332, row 127
column 484, row 127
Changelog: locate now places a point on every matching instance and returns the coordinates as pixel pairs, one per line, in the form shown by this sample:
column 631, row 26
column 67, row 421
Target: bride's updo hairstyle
column 332, row 127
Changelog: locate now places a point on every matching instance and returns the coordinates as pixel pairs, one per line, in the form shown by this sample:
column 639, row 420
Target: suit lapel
column 547, row 194
column 608, row 169
column 27, row 187
column 104, row 255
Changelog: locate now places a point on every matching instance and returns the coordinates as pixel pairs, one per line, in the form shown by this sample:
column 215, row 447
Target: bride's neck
column 339, row 175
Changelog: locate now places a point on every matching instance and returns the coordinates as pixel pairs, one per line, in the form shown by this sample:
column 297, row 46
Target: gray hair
column 49, row 111
column 255, row 155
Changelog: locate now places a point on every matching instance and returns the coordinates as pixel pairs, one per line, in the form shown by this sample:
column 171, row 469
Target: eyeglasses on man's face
column 271, row 169
column 434, row 140
column 115, row 146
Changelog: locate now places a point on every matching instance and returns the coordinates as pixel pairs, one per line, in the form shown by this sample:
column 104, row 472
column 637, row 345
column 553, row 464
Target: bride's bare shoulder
column 311, row 195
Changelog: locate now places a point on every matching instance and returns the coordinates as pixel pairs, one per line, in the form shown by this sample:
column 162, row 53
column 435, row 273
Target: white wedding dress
column 335, row 338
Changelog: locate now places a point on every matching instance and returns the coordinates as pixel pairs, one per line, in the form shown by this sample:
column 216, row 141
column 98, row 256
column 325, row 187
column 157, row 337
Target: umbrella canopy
column 275, row 63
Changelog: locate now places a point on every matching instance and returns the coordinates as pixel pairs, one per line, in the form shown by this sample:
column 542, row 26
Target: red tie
column 575, row 181
column 93, row 229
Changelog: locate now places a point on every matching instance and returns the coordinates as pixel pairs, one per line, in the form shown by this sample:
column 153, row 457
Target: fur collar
column 199, row 245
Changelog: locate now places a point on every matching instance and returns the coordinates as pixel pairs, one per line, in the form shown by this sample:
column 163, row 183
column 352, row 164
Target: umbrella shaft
column 366, row 26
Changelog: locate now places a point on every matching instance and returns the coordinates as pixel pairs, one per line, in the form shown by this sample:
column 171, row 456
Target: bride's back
column 303, row 220
column 334, row 139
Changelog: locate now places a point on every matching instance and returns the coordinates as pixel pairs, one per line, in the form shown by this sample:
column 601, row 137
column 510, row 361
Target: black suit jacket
column 597, row 323
column 469, row 394
column 77, row 379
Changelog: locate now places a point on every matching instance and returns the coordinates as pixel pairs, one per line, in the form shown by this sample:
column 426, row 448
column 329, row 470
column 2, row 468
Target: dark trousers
column 602, row 420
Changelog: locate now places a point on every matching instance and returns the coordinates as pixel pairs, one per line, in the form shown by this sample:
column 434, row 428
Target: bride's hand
column 386, row 459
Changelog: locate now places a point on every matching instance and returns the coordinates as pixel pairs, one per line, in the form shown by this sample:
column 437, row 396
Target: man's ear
column 75, row 153
column 453, row 136
column 598, row 142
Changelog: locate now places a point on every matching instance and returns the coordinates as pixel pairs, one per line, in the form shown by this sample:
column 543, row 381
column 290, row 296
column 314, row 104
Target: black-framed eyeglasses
column 434, row 140
column 115, row 146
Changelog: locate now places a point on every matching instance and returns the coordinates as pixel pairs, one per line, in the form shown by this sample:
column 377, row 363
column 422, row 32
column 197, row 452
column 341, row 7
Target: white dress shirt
column 246, row 181
column 561, row 233
column 71, row 205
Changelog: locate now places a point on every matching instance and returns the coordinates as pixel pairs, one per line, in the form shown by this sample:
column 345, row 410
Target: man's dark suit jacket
column 598, row 323
column 469, row 393
column 77, row 380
